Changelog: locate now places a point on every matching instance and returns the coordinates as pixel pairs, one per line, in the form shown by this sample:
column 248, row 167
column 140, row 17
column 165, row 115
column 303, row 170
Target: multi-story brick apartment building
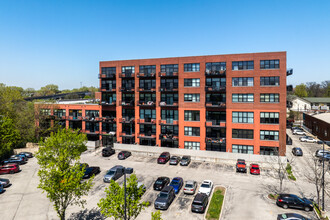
column 230, row 103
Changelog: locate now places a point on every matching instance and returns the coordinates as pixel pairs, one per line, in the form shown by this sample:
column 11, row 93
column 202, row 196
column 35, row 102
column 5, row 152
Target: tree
column 300, row 90
column 49, row 89
column 314, row 89
column 113, row 205
column 156, row 215
column 8, row 136
column 60, row 172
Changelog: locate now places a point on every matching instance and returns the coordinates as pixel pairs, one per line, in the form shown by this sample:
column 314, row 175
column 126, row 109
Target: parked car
column 17, row 160
column 294, row 128
column 292, row 201
column 165, row 198
column 90, row 171
column 108, row 151
column 325, row 157
column 320, row 153
column 291, row 216
column 174, row 160
column 297, row 151
column 83, row 165
column 185, row 160
column 28, row 154
column 177, row 183
column 325, row 142
column 163, row 158
column 199, row 203
column 298, row 131
column 161, row 182
column 254, row 169
column 206, row 187
column 9, row 168
column 113, row 174
column 190, row 187
column 141, row 185
column 308, row 139
column 1, row 188
column 25, row 158
column 4, row 182
column 122, row 155
column 241, row 166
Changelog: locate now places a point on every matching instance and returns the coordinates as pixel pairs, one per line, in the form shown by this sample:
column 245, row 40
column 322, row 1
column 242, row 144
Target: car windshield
column 159, row 182
column 162, row 156
column 174, row 183
column 205, row 185
column 242, row 163
column 255, row 168
column 184, row 158
column 162, row 195
column 197, row 202
column 189, row 186
column 111, row 172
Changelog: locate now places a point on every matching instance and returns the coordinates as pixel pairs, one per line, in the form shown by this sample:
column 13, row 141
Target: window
column 45, row 111
column 146, row 97
column 92, row 113
column 243, row 149
column 270, row 81
column 170, row 114
column 127, row 69
column 59, row 112
column 108, row 70
column 242, row 98
column 269, row 117
column 128, row 84
column 169, row 98
column 268, row 150
column 269, row 135
column 269, row 97
column 92, row 126
column 269, row 64
column 147, row 113
column 128, row 98
column 169, row 83
column 148, row 84
column 148, row 69
column 170, row 129
column 243, row 65
column 191, row 115
column 191, row 67
column 191, row 97
column 242, row 81
column 191, row 145
column 191, row 82
column 242, row 117
column 148, row 130
column 216, row 82
column 169, row 68
column 108, row 84
column 191, row 131
column 242, row 133
column 215, row 67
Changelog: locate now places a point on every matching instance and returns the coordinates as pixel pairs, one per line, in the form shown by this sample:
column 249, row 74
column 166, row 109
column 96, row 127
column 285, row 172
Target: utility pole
column 323, row 179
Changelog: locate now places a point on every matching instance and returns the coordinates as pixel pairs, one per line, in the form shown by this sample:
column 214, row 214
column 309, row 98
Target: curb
column 223, row 203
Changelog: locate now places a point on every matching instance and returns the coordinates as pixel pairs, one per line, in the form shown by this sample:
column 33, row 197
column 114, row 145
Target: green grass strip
column 215, row 206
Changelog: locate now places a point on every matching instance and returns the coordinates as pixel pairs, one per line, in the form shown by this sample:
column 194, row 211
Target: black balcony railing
column 126, row 75
column 145, row 75
column 215, row 88
column 168, row 89
column 107, row 76
column 215, row 104
column 168, row 74
column 215, row 73
column 127, row 103
column 147, row 103
column 147, row 89
column 127, row 89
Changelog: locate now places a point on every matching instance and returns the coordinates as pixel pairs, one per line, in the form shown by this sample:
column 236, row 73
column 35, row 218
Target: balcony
column 146, row 89
column 289, row 88
column 168, row 137
column 74, row 118
column 90, row 118
column 146, row 121
column 168, row 89
column 127, row 120
column 146, row 135
column 217, row 73
column 168, row 104
column 215, row 140
column 107, row 76
column 215, row 123
column 215, row 104
column 145, row 75
column 146, row 103
column 108, row 89
column 168, row 74
column 127, row 103
column 126, row 75
column 215, row 88
column 124, row 134
column 169, row 121
column 109, row 119
column 108, row 104
column 92, row 131
column 289, row 72
column 127, row 89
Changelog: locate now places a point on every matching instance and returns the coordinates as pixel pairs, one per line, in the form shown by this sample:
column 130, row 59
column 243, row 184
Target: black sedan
column 291, row 216
column 297, row 151
column 161, row 182
column 108, row 151
column 122, row 155
column 292, row 201
column 4, row 182
column 90, row 171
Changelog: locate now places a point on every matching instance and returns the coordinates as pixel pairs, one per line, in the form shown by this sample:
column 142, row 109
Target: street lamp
column 127, row 170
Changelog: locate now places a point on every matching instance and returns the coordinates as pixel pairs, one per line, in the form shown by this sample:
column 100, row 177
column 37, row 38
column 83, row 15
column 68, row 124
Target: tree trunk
column 62, row 215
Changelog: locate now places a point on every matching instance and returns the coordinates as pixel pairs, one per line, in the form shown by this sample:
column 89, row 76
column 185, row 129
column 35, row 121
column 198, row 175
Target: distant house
column 294, row 103
column 319, row 103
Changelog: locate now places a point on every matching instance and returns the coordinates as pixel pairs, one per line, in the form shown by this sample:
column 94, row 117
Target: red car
column 9, row 168
column 254, row 169
column 164, row 157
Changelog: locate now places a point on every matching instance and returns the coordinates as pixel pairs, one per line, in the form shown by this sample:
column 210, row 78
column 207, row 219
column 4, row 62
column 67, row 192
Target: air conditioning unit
column 162, row 103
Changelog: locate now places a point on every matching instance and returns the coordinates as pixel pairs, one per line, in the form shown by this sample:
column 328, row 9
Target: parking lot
column 246, row 194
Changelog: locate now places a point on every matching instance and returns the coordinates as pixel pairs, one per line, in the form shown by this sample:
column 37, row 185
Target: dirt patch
column 195, row 165
column 183, row 202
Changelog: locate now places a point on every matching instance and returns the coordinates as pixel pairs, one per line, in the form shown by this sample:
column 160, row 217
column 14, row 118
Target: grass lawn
column 215, row 206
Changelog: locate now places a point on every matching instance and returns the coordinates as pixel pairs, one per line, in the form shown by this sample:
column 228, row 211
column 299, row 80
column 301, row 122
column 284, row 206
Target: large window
column 170, row 129
column 269, row 135
column 146, row 97
column 59, row 112
column 270, row 81
column 169, row 68
column 243, row 149
column 169, row 83
column 242, row 117
column 170, row 114
column 169, row 98
column 148, row 130
column 242, row 133
column 269, row 64
column 242, row 98
column 148, row 69
column 148, row 84
column 215, row 67
column 147, row 113
column 191, row 82
column 191, row 67
column 127, row 69
column 191, row 97
column 191, row 115
column 268, row 150
column 242, row 81
column 191, row 131
column 108, row 70
column 191, row 145
column 269, row 97
column 92, row 113
column 45, row 111
column 215, row 82
column 108, row 84
column 128, row 84
column 243, row 65
column 269, row 117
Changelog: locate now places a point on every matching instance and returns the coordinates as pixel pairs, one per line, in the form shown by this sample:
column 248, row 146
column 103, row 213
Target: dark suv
column 293, row 201
column 108, row 151
column 200, row 202
column 164, row 157
column 161, row 182
column 165, row 198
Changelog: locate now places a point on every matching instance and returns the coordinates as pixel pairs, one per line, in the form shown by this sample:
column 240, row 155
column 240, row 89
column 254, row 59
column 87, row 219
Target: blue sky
column 61, row 42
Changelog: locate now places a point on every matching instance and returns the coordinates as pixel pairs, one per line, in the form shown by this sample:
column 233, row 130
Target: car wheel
column 285, row 206
column 307, row 209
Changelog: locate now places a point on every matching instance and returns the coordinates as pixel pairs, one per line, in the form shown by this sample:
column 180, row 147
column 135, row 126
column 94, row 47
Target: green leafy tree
column 113, row 205
column 156, row 215
column 49, row 89
column 301, row 90
column 60, row 172
column 8, row 136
